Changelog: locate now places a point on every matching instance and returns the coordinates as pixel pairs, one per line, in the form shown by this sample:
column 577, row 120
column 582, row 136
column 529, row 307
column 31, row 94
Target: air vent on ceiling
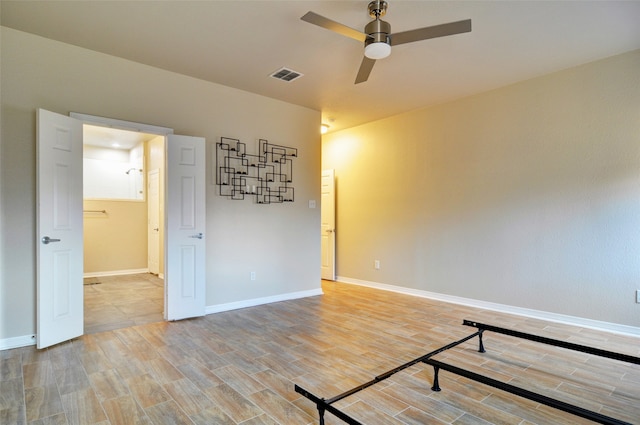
column 287, row 75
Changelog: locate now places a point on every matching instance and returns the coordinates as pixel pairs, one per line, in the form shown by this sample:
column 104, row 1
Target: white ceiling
column 240, row 43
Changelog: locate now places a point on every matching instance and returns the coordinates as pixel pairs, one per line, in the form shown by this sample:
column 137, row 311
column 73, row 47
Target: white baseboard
column 17, row 342
column 218, row 308
column 116, row 273
column 503, row 308
column 23, row 341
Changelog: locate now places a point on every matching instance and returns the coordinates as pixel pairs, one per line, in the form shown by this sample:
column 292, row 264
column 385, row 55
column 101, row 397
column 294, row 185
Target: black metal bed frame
column 325, row 405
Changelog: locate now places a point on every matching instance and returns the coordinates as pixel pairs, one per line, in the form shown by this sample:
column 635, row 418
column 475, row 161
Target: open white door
column 60, row 258
column 185, row 228
column 328, row 226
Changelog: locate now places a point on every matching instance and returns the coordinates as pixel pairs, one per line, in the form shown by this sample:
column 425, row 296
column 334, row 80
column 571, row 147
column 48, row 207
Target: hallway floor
column 116, row 302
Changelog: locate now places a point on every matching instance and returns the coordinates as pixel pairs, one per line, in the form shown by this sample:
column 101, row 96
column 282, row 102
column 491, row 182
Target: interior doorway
column 59, row 295
column 122, row 216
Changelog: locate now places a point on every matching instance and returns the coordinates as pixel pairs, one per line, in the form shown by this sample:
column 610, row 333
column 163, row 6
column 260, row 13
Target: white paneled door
column 328, row 226
column 185, row 228
column 60, row 314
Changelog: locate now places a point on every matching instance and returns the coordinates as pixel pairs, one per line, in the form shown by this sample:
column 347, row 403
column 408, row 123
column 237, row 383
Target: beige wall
column 279, row 242
column 527, row 196
column 115, row 241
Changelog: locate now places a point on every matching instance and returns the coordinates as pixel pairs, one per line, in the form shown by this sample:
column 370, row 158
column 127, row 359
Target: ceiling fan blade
column 321, row 21
column 435, row 31
column 365, row 69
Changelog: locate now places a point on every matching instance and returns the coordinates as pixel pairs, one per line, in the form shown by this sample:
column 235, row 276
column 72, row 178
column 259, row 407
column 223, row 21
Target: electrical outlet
column 253, row 275
column 638, row 296
column 376, row 264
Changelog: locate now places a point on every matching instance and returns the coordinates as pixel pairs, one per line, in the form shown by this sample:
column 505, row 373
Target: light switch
column 312, row 204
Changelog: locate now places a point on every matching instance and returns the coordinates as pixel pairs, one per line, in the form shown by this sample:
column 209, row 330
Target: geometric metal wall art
column 265, row 177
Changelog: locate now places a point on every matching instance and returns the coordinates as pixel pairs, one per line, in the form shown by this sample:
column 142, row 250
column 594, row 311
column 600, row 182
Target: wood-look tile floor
column 240, row 367
column 116, row 302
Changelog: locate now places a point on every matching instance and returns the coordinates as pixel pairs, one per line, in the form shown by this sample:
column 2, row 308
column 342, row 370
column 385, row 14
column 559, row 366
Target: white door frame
column 121, row 124
column 124, row 125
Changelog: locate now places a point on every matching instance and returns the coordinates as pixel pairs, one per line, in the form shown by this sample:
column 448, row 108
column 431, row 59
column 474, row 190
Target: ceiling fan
column 377, row 35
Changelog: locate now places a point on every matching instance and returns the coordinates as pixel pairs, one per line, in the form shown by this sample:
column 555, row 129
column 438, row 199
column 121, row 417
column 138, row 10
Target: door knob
column 198, row 236
column 47, row 240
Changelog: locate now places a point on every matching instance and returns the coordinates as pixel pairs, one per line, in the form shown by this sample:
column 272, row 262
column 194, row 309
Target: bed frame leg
column 321, row 415
column 481, row 347
column 436, row 384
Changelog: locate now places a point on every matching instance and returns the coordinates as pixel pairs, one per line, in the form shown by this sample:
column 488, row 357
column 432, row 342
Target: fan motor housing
column 378, row 31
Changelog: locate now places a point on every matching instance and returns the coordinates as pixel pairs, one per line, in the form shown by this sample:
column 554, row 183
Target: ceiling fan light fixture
column 377, row 35
column 378, row 50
